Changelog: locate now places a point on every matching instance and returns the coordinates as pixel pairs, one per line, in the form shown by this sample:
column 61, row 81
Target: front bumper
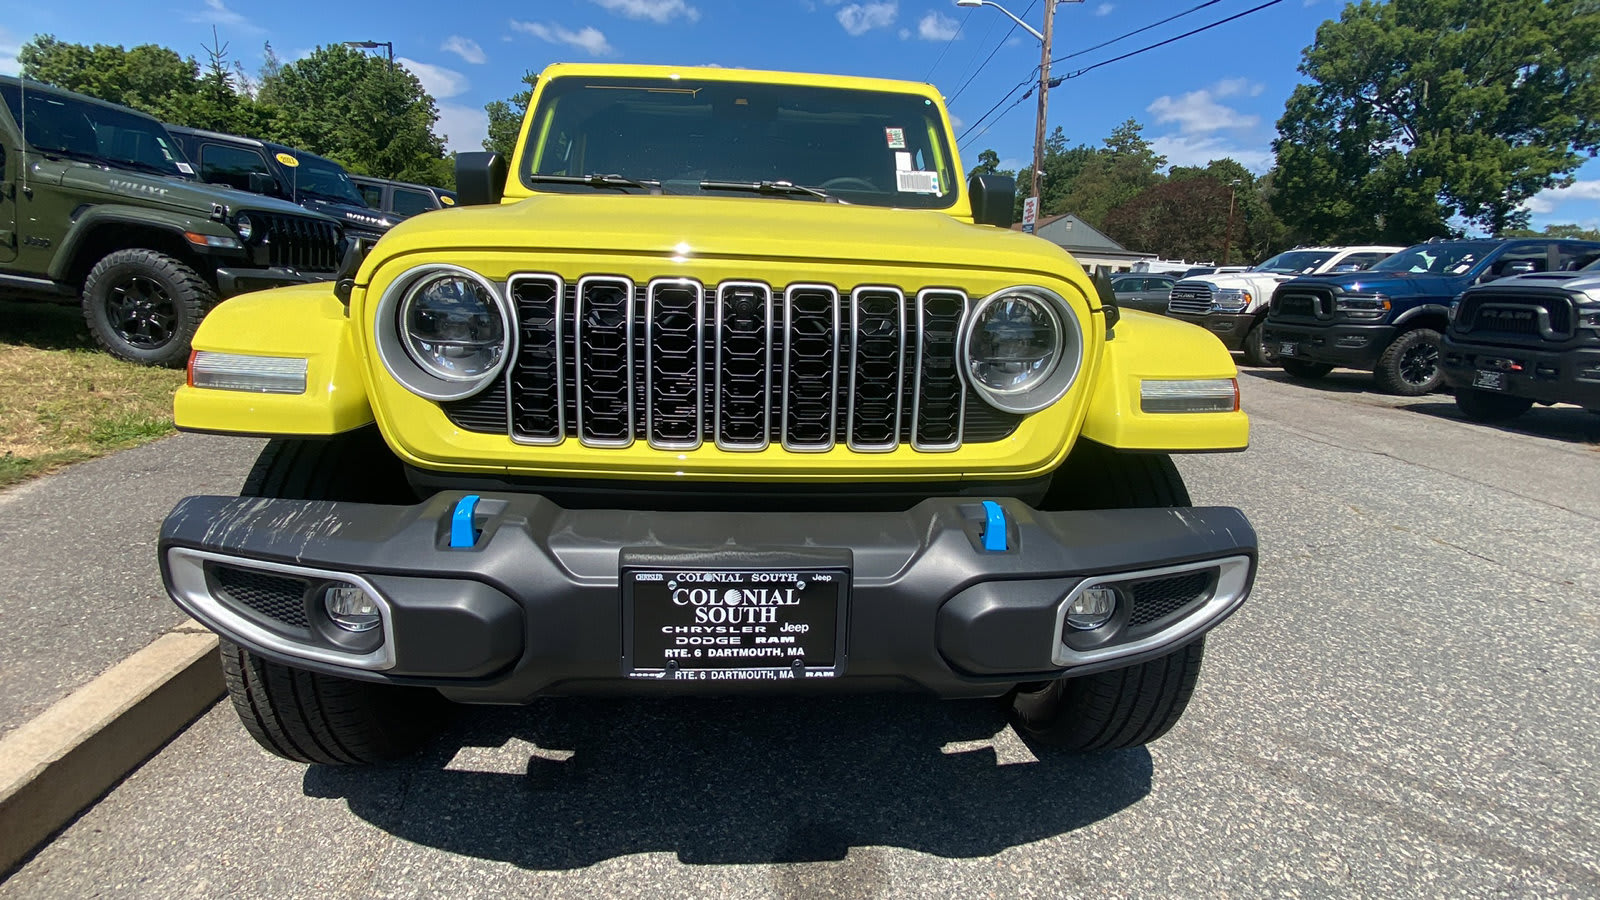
column 536, row 605
column 231, row 281
column 1230, row 328
column 1347, row 346
column 1545, row 376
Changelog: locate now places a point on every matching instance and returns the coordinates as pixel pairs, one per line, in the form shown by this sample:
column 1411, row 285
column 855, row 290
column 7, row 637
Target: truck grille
column 740, row 365
column 1302, row 304
column 1190, row 299
column 1521, row 315
column 298, row 242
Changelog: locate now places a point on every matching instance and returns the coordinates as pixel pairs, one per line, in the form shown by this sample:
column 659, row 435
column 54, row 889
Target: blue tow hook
column 994, row 527
column 462, row 535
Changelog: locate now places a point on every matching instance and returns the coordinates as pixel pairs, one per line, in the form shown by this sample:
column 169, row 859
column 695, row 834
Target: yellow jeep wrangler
column 725, row 384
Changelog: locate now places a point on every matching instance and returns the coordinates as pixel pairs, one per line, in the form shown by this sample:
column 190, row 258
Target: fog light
column 1092, row 608
column 350, row 607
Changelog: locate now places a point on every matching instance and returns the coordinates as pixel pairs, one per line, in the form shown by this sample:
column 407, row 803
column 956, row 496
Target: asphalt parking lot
column 1407, row 706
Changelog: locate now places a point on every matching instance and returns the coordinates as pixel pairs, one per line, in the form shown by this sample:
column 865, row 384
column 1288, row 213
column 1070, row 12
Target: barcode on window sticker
column 917, row 182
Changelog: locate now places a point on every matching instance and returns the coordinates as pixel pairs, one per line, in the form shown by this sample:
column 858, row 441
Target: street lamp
column 373, row 45
column 1044, row 74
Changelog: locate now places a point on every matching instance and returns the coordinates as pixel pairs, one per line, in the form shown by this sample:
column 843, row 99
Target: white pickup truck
column 1232, row 305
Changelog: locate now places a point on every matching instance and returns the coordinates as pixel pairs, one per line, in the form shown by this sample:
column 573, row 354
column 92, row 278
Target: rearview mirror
column 994, row 199
column 480, row 178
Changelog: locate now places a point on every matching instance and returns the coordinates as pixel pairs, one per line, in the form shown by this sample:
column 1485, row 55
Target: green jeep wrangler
column 97, row 206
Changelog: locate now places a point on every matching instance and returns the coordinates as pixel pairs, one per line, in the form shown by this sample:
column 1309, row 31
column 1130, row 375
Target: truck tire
column 1134, row 705
column 1254, row 348
column 144, row 306
column 1482, row 406
column 1306, row 371
column 1409, row 367
column 308, row 716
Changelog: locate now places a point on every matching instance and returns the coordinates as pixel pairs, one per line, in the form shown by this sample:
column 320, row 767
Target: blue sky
column 1215, row 94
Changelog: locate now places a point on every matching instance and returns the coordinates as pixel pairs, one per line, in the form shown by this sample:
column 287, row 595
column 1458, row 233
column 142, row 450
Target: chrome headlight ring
column 1052, row 380
column 399, row 350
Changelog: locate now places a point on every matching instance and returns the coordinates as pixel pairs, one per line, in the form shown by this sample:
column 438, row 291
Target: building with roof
column 1097, row 253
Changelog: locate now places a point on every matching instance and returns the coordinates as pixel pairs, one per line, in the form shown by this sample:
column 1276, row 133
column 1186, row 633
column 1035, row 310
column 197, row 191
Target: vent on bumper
column 275, row 597
column 743, row 365
column 1157, row 598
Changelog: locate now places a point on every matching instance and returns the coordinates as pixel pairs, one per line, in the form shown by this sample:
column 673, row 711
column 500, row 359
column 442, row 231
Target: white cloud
column 860, row 18
column 436, row 80
column 588, row 38
column 218, row 13
column 1104, row 9
column 1197, row 150
column 956, row 122
column 9, row 48
column 1235, row 87
column 1198, row 112
column 466, row 48
column 936, row 26
column 1546, row 202
column 659, row 11
column 464, row 127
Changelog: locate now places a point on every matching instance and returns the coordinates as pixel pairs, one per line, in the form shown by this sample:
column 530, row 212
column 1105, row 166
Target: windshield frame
column 926, row 130
column 99, row 115
column 1322, row 257
column 1396, row 263
column 321, row 164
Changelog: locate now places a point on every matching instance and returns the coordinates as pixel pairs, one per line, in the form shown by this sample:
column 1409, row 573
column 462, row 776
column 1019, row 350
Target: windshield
column 91, row 132
column 1296, row 262
column 323, row 179
column 1455, row 258
column 872, row 147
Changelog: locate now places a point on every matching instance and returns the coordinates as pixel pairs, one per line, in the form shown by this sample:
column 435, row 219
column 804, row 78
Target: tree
column 1113, row 176
column 1422, row 110
column 360, row 110
column 149, row 78
column 505, row 118
column 1576, row 232
column 1060, row 170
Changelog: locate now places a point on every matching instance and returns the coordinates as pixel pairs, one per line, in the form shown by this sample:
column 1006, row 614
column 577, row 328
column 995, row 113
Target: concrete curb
column 60, row 762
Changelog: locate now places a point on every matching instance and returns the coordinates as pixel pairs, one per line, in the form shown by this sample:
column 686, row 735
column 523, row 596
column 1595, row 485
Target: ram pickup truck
column 1233, row 306
column 727, row 384
column 1390, row 319
column 98, row 208
column 1525, row 340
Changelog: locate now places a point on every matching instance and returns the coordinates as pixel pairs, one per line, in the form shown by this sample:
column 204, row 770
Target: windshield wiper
column 598, row 180
column 769, row 187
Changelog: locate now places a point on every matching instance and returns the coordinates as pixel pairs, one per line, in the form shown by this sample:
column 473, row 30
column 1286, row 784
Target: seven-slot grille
column 298, row 242
column 1547, row 317
column 1190, row 298
column 740, row 364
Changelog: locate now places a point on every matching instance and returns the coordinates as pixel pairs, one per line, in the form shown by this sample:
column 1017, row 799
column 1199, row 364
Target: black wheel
column 144, row 306
column 308, row 716
column 1299, row 368
column 1134, row 705
column 1482, row 406
column 1409, row 367
column 1255, row 349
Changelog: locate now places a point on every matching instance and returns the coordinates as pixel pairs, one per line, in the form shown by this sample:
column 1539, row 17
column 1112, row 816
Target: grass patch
column 62, row 400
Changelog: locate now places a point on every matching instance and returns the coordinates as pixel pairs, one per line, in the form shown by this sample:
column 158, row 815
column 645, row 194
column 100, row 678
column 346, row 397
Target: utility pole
column 1044, row 97
column 1227, row 240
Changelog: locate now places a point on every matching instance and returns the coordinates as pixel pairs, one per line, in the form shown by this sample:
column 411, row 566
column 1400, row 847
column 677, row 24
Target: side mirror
column 1518, row 267
column 480, row 178
column 263, row 183
column 1108, row 304
column 994, row 199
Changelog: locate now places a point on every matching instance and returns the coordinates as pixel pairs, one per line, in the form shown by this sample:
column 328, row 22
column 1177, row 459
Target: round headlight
column 452, row 326
column 1022, row 348
column 244, row 226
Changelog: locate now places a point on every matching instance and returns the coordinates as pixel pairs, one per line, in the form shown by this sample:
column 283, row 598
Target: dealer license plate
column 733, row 625
column 1288, row 348
column 1492, row 381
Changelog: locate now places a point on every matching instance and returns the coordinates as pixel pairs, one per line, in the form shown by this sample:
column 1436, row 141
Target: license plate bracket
column 1288, row 348
column 701, row 623
column 1489, row 380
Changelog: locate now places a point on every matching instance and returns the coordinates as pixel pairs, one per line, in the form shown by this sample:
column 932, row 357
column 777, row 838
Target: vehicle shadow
column 1339, row 381
column 1559, row 423
column 43, row 326
column 731, row 781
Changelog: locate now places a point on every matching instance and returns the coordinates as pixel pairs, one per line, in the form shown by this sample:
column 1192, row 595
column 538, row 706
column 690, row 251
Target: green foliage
column 1576, row 232
column 1420, row 110
column 505, row 118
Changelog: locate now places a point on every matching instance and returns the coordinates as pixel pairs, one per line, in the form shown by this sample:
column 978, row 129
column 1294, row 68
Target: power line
column 929, row 76
column 1123, row 37
column 1024, row 82
column 996, row 49
column 1169, row 40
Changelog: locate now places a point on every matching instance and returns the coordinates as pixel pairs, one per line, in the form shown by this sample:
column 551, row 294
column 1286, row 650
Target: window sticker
column 185, row 168
column 902, row 161
column 897, row 138
column 914, row 182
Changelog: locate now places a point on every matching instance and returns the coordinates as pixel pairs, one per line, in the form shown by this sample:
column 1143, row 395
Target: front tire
column 1409, row 367
column 144, row 306
column 308, row 716
column 1134, row 705
column 1482, row 406
column 1255, row 349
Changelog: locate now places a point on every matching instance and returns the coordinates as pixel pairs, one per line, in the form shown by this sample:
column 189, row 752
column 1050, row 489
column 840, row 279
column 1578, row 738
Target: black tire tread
column 1253, row 349
column 1387, row 371
column 195, row 295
